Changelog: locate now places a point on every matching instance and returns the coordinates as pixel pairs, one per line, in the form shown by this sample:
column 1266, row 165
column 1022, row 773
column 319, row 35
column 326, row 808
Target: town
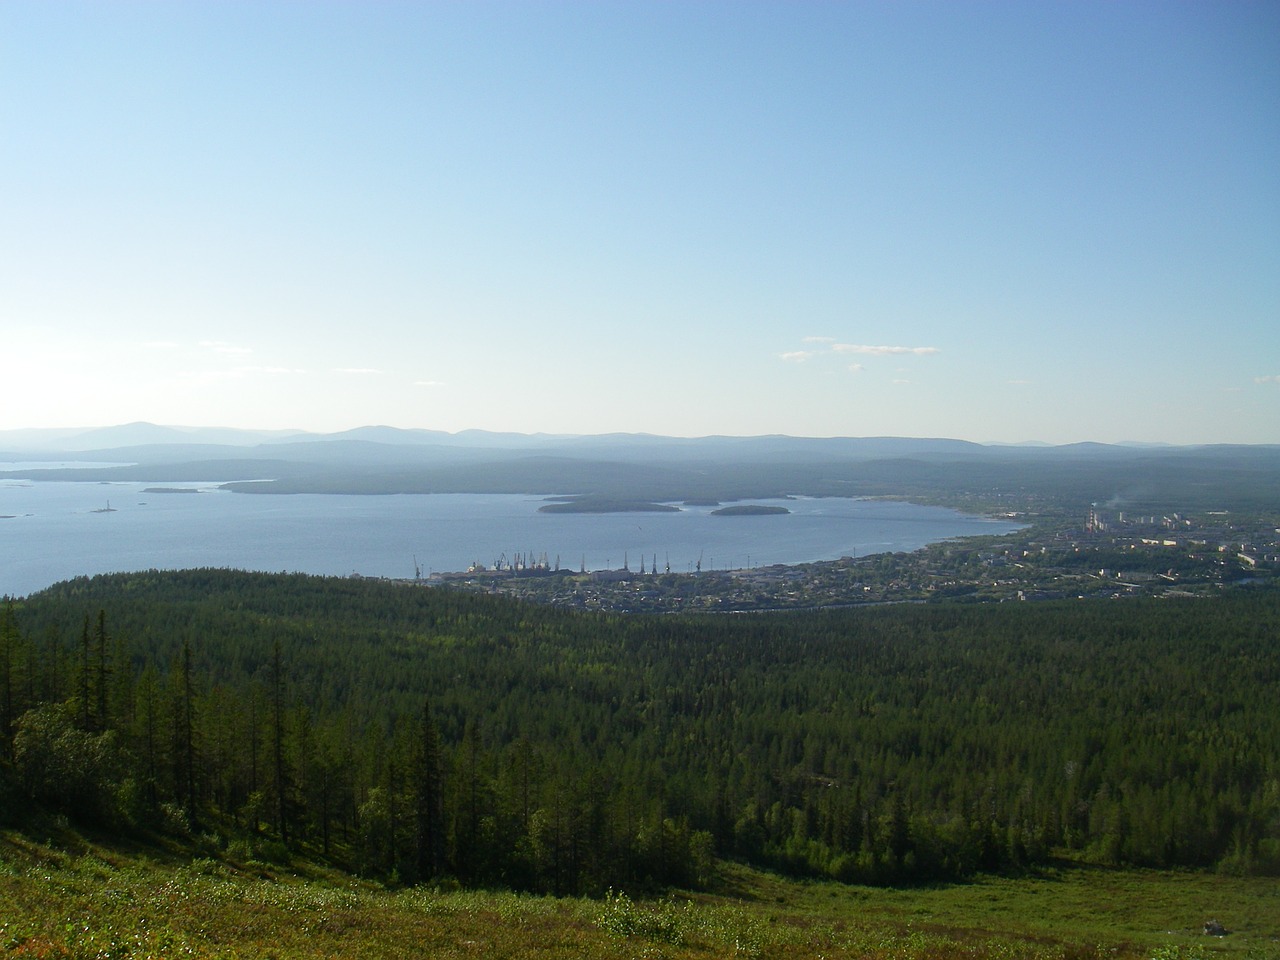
column 1097, row 552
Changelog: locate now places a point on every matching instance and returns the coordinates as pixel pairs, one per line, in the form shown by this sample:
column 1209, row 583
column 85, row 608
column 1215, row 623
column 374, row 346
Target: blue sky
column 993, row 221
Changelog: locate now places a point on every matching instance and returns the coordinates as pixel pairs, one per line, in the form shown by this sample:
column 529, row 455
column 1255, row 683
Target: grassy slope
column 68, row 896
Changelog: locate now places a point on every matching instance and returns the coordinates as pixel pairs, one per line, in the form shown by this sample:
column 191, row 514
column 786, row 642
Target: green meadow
column 68, row 896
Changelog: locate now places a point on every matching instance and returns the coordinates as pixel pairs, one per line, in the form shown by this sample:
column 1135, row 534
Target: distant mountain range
column 382, row 460
column 140, row 434
column 146, row 434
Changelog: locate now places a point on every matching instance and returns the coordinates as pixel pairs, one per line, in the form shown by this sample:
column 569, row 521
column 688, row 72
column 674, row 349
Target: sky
column 986, row 220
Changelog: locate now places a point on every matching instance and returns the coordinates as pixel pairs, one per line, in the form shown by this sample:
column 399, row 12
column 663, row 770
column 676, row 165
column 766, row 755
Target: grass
column 70, row 897
column 1081, row 910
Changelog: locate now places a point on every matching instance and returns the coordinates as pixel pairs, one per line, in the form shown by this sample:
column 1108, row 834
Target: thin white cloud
column 1270, row 378
column 357, row 371
column 825, row 346
column 875, row 351
column 1018, row 383
column 901, row 381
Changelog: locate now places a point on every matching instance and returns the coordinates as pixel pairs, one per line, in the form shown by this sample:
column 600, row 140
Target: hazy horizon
column 998, row 223
column 115, row 435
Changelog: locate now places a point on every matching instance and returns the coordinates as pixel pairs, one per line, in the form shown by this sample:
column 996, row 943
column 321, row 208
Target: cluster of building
column 1250, row 540
column 1115, row 554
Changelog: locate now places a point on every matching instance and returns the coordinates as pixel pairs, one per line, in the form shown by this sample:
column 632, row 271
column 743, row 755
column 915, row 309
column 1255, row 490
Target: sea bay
column 53, row 530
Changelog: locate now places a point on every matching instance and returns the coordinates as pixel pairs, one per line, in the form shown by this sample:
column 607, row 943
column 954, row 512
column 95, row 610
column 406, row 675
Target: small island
column 749, row 510
column 170, row 490
column 604, row 505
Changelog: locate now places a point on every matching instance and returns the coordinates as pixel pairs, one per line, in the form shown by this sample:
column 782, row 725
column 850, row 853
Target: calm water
column 54, row 531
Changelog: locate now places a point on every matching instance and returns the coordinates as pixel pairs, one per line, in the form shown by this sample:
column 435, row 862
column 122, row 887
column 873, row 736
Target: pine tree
column 102, row 670
column 8, row 644
column 147, row 720
column 83, row 678
column 428, row 812
column 182, row 731
column 280, row 776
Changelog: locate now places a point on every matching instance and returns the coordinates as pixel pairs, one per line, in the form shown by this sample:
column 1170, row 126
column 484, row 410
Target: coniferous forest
column 412, row 734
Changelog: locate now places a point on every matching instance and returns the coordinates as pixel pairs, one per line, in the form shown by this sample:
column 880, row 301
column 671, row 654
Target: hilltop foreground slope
column 413, row 733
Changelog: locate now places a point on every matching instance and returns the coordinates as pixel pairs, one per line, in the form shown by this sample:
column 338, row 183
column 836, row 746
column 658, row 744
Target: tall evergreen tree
column 8, row 652
column 83, row 678
column 147, row 721
column 102, row 671
column 280, row 773
column 428, row 798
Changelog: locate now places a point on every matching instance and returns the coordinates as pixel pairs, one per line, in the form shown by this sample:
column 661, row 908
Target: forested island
column 750, row 510
column 605, row 505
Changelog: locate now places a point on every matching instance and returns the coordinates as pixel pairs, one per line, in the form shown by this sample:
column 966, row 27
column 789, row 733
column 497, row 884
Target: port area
column 1092, row 554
